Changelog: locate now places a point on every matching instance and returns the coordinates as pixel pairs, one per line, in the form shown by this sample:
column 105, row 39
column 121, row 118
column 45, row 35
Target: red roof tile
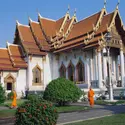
column 59, row 23
column 37, row 31
column 67, row 25
column 49, row 26
column 84, row 26
column 16, row 56
column 5, row 63
column 105, row 23
column 28, row 40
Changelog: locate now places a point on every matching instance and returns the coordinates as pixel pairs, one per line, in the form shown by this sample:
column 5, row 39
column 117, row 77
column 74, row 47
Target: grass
column 103, row 102
column 8, row 102
column 7, row 113
column 10, row 112
column 71, row 108
column 109, row 120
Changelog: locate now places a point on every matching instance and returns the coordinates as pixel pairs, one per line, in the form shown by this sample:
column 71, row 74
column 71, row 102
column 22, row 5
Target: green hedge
column 9, row 95
column 2, row 94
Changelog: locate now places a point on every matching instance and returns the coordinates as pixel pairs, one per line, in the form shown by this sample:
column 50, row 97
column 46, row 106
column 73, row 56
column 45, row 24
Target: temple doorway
column 9, row 82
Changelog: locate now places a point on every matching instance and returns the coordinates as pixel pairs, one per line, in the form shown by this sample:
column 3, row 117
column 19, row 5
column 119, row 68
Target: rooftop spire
column 68, row 9
column 7, row 43
column 39, row 15
column 75, row 12
column 105, row 3
column 17, row 22
column 30, row 19
column 118, row 4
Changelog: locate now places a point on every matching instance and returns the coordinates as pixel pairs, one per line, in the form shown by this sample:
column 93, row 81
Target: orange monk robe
column 90, row 97
column 14, row 104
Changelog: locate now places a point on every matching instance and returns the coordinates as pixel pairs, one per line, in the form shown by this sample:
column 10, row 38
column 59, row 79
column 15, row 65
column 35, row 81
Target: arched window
column 71, row 71
column 62, row 71
column 80, row 71
column 36, row 75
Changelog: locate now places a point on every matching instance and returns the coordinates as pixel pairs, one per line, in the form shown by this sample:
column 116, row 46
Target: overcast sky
column 12, row 10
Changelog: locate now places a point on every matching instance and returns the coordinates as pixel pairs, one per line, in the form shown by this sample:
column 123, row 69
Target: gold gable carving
column 115, row 33
column 9, row 78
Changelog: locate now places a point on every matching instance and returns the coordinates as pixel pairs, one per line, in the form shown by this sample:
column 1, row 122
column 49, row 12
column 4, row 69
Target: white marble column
column 91, row 67
column 2, row 81
column 117, row 68
column 96, row 66
column 87, row 77
column 105, row 67
column 29, row 73
column 100, row 70
column 122, row 66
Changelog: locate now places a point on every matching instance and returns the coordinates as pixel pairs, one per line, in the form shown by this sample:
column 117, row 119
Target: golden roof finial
column 7, row 43
column 118, row 4
column 17, row 22
column 68, row 9
column 75, row 12
column 105, row 3
column 30, row 20
column 39, row 15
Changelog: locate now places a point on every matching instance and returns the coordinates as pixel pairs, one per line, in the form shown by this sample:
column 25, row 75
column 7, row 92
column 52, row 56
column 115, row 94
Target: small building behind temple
column 48, row 49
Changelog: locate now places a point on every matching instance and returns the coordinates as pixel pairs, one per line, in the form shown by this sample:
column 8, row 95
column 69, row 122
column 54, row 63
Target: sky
column 12, row 10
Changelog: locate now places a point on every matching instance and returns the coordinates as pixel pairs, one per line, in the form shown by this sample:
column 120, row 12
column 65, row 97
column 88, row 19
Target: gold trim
column 9, row 75
column 37, row 84
column 62, row 26
column 100, row 19
column 114, row 16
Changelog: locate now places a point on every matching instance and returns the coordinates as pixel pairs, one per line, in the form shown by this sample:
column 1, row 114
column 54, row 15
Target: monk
column 91, row 97
column 14, row 104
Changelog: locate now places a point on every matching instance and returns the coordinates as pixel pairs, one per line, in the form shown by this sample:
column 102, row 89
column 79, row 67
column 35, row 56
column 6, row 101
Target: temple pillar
column 96, row 66
column 99, row 69
column 117, row 68
column 122, row 66
column 91, row 67
column 29, row 73
column 87, row 72
column 105, row 67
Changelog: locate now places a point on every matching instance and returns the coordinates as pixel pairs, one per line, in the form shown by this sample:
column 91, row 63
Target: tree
column 2, row 94
column 62, row 91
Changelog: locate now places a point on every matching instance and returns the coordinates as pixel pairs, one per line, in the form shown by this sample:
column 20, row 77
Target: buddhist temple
column 46, row 49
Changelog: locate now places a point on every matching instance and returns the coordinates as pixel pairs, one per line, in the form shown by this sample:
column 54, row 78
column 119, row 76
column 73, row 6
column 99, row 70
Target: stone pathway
column 3, row 107
column 98, row 111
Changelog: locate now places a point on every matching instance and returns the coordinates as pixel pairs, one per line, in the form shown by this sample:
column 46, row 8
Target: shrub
column 34, row 96
column 2, row 95
column 62, row 91
column 9, row 95
column 121, row 95
column 84, row 97
column 36, row 112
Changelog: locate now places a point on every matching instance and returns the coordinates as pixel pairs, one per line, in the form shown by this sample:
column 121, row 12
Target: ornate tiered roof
column 64, row 34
